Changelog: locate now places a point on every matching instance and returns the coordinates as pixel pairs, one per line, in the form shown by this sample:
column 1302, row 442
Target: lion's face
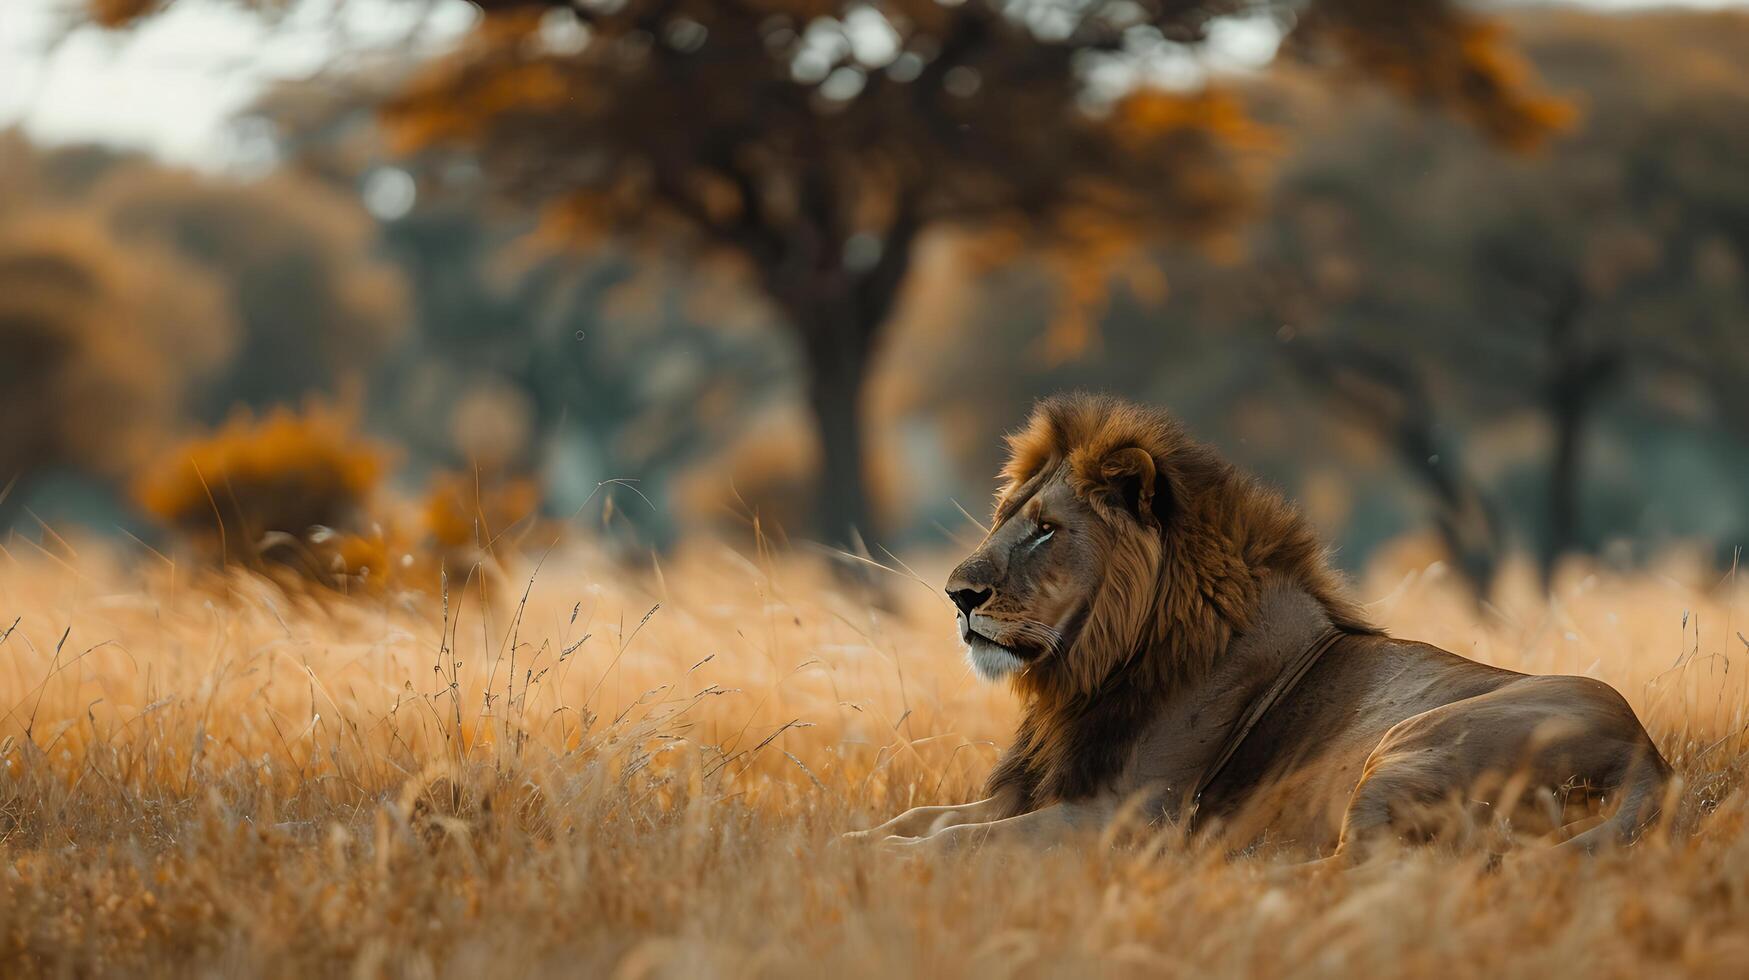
column 1025, row 593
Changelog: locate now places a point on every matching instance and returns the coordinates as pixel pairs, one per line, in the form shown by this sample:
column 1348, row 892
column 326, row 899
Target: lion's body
column 1181, row 644
column 1397, row 738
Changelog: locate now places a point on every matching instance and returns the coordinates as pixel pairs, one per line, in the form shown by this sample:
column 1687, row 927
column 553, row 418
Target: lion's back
column 1296, row 771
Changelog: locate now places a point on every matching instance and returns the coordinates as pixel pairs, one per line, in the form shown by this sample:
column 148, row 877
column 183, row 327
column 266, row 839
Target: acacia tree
column 816, row 141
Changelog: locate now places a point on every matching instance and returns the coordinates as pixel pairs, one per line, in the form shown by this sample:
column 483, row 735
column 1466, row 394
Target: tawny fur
column 1176, row 595
column 1182, row 644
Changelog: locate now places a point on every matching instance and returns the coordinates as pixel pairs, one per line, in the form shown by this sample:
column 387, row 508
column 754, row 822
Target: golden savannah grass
column 644, row 772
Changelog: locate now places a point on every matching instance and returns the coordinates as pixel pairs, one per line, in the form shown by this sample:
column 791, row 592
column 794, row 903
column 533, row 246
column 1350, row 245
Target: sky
column 170, row 85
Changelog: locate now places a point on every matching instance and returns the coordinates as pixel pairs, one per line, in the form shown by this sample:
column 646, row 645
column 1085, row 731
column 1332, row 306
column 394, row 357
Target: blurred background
column 349, row 289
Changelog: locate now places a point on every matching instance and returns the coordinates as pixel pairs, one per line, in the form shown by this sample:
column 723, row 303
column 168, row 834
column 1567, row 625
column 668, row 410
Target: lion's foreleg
column 1038, row 829
column 923, row 821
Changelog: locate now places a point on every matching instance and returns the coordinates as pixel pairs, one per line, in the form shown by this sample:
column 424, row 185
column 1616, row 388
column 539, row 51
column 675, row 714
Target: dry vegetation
column 646, row 773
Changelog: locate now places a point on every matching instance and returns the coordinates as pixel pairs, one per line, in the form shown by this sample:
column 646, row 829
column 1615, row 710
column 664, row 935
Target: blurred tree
column 32, row 176
column 100, row 342
column 136, row 295
column 316, row 304
column 1389, row 396
column 1596, row 278
column 817, row 141
column 611, row 367
column 1409, row 273
column 1626, row 256
column 101, row 339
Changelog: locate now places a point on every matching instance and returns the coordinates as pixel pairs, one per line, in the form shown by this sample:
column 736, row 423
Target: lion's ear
column 1131, row 476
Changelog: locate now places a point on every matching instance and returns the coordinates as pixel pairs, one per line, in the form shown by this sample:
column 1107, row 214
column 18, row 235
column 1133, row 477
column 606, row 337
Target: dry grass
column 646, row 773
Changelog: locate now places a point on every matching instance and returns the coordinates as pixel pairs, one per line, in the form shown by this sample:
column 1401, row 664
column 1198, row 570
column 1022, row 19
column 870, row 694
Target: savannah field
column 644, row 772
column 304, row 302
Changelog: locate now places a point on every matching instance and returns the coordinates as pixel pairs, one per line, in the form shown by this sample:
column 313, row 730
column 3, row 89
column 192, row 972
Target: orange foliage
column 1203, row 143
column 284, row 489
column 119, row 13
column 638, row 135
column 728, row 145
column 472, row 525
column 293, row 495
column 518, row 88
column 1442, row 57
column 467, row 511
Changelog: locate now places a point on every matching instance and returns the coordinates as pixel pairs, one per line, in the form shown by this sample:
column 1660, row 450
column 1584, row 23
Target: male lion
column 1182, row 646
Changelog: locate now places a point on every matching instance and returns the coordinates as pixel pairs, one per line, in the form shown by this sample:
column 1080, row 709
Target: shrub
column 289, row 490
column 475, row 521
column 474, row 512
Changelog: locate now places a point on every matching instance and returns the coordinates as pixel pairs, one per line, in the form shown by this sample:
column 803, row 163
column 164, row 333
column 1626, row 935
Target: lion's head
column 1116, row 534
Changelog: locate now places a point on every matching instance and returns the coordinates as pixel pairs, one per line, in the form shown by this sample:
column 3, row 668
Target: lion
column 1184, row 650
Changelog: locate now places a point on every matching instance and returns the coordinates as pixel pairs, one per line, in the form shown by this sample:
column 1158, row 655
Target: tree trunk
column 1563, row 501
column 1573, row 402
column 838, row 372
column 838, row 314
column 838, row 308
column 1579, row 373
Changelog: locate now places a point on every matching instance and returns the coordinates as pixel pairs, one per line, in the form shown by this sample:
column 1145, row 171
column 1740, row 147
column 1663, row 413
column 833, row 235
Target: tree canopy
column 815, row 141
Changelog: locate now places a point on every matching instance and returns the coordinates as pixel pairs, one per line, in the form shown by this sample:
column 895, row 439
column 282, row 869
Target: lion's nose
column 969, row 599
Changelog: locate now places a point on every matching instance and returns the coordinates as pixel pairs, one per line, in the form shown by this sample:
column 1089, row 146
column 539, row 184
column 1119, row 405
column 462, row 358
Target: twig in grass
column 841, row 554
column 808, row 772
column 624, row 643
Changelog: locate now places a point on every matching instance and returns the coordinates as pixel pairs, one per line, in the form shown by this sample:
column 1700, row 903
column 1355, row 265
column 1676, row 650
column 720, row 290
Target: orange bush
column 290, row 489
column 469, row 510
column 475, row 521
column 295, row 496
